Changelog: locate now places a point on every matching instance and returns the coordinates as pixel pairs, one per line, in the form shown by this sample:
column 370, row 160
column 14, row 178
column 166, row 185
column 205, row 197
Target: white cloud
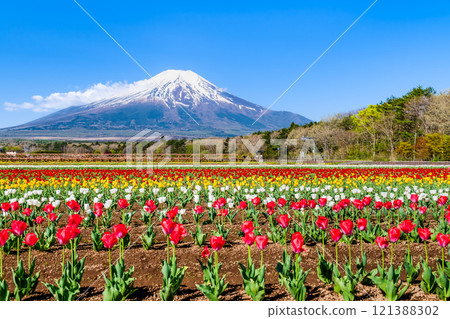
column 57, row 101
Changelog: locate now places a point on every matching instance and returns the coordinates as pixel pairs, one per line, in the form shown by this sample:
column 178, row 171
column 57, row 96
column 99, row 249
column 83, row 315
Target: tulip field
column 224, row 233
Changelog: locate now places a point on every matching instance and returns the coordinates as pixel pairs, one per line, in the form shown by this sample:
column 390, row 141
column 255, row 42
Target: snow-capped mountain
column 179, row 103
column 173, row 88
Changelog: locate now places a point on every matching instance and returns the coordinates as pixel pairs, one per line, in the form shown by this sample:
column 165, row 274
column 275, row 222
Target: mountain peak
column 178, row 75
column 170, row 88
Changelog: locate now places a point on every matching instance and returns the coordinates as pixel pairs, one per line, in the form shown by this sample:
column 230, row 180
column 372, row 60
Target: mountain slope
column 179, row 103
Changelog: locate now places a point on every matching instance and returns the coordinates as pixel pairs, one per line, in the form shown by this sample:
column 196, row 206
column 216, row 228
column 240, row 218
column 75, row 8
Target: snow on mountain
column 173, row 88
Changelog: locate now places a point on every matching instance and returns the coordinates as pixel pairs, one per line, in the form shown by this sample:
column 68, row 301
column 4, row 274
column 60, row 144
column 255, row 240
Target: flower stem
column 29, row 258
column 64, row 255
column 262, row 262
column 382, row 258
column 216, row 257
column 71, row 257
column 336, row 253
column 249, row 255
column 122, row 246
column 110, row 267
column 323, row 243
column 173, row 252
column 407, row 241
column 350, row 252
column 18, row 248
column 392, row 254
column 426, row 252
column 443, row 267
column 362, row 252
column 168, row 246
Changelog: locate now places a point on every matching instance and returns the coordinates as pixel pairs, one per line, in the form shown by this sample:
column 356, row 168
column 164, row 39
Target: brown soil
column 148, row 275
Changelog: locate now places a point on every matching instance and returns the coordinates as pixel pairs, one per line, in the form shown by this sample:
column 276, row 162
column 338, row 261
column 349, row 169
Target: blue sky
column 255, row 49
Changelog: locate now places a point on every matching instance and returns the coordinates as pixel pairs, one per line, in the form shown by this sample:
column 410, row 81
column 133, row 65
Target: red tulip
column 75, row 219
column 297, row 243
column 49, row 208
column 64, row 235
column 281, row 202
column 414, row 198
column 303, row 203
column 98, row 212
column 256, row 201
column 322, row 222
column 205, row 252
column 270, row 211
column 221, row 202
column 15, row 206
column 31, row 239
column 397, row 203
column 175, row 237
column 447, row 216
column 442, row 200
column 243, row 205
column 150, row 206
column 6, row 207
column 73, row 205
column 74, row 230
column 150, row 202
column 424, row 233
column 347, row 227
column 413, row 206
column 388, row 205
column 217, row 242
column 336, row 208
column 223, row 212
column 109, row 240
column 443, row 240
column 312, row 203
column 361, row 224
column 378, row 205
column 322, row 202
column 406, row 226
column 367, row 200
column 249, row 238
column 27, row 212
column 167, row 226
column 382, row 242
column 261, row 242
column 120, row 230
column 123, row 203
column 358, row 204
column 98, row 206
column 271, row 205
column 394, row 234
column 296, row 205
column 18, row 227
column 283, row 220
column 336, row 234
column 422, row 210
column 198, row 209
column 4, row 236
column 172, row 213
column 247, row 226
column 179, row 228
column 344, row 202
column 52, row 217
column 39, row 220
